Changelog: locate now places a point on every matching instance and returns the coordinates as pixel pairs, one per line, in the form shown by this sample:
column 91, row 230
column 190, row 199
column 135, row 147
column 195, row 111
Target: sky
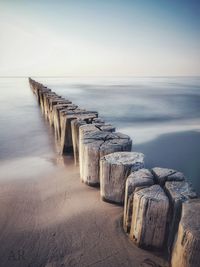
column 99, row 37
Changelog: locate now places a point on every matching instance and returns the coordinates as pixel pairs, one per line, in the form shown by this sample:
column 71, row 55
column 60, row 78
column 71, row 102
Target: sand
column 52, row 219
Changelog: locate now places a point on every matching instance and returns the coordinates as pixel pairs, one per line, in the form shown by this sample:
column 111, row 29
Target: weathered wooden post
column 37, row 87
column 114, row 170
column 75, row 125
column 99, row 120
column 186, row 251
column 135, row 181
column 94, row 127
column 90, row 128
column 163, row 174
column 60, row 105
column 52, row 103
column 149, row 217
column 60, row 111
column 97, row 145
column 66, row 133
column 178, row 192
column 40, row 97
column 46, row 95
column 66, row 138
column 48, row 100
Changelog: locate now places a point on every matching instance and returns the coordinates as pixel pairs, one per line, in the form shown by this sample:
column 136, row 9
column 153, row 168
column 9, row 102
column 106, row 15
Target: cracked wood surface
column 163, row 174
column 83, row 119
column 149, row 217
column 86, row 129
column 96, row 145
column 66, row 129
column 178, row 193
column 114, row 170
column 187, row 245
column 58, row 111
column 135, row 181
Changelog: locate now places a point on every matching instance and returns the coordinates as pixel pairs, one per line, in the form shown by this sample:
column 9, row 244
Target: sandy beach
column 52, row 219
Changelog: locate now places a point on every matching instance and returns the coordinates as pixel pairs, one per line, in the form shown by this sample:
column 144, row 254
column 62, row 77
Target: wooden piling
column 135, row 181
column 149, row 217
column 66, row 132
column 59, row 111
column 75, row 125
column 114, row 170
column 186, row 251
column 96, row 145
column 178, row 193
column 163, row 174
column 90, row 128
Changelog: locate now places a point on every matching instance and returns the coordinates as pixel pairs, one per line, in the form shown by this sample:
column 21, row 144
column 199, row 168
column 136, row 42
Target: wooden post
column 51, row 99
column 99, row 120
column 66, row 133
column 46, row 96
column 75, row 125
column 59, row 111
column 96, row 145
column 163, row 174
column 136, row 180
column 114, row 170
column 178, row 192
column 40, row 92
column 186, row 251
column 58, row 106
column 86, row 129
column 66, row 138
column 149, row 218
column 95, row 127
column 52, row 103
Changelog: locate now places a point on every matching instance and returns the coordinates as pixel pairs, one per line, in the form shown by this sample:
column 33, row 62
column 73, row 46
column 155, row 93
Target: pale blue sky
column 89, row 37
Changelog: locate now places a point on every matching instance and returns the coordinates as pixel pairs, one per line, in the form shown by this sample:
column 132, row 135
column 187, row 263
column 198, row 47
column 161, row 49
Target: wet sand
column 52, row 219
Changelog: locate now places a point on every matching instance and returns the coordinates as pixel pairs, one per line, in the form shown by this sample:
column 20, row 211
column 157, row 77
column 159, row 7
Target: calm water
column 162, row 116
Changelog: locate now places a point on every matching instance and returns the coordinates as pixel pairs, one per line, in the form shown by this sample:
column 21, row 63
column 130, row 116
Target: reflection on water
column 25, row 168
column 23, row 130
column 144, row 108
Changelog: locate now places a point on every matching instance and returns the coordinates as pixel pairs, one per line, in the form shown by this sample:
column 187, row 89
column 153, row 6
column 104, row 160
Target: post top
column 125, row 158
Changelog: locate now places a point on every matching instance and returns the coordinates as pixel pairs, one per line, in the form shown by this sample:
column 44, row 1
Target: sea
column 160, row 114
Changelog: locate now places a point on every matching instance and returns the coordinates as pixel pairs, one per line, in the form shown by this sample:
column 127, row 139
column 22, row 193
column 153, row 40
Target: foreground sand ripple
column 51, row 219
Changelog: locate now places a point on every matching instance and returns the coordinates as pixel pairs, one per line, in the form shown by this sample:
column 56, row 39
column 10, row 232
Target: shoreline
column 58, row 221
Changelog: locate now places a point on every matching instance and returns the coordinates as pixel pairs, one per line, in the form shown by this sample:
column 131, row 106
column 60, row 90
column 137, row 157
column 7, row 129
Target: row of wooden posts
column 161, row 210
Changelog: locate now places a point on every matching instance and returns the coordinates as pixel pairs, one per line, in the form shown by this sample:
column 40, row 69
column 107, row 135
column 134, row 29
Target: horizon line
column 70, row 76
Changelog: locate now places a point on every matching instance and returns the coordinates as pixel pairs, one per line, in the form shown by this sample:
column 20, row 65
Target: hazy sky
column 104, row 37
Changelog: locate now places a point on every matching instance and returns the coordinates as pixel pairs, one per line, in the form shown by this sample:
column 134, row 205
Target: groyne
column 161, row 210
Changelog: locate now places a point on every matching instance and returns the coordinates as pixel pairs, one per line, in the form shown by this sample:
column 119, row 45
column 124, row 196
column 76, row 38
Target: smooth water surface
column 162, row 116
